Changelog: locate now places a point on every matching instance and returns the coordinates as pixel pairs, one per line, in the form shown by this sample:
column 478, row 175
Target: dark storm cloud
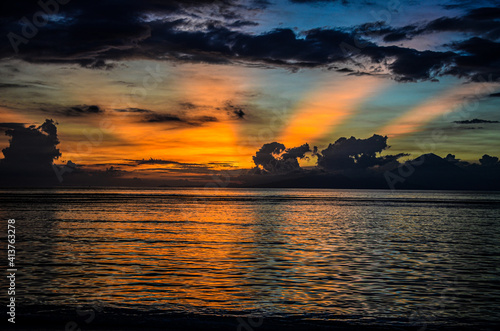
column 355, row 153
column 475, row 121
column 30, row 153
column 87, row 32
column 95, row 34
column 274, row 158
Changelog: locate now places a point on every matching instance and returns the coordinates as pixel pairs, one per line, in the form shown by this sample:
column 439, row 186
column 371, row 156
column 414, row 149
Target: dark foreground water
column 405, row 259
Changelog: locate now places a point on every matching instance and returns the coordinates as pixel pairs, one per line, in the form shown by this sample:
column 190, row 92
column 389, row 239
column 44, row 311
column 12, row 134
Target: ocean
column 254, row 257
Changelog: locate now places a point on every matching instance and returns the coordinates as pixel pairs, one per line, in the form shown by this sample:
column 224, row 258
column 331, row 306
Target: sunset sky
column 202, row 85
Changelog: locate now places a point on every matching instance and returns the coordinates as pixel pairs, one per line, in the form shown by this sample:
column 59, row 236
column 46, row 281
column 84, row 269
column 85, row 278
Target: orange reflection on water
column 334, row 252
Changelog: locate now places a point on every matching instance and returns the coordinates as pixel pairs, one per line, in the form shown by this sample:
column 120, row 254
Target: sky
column 176, row 89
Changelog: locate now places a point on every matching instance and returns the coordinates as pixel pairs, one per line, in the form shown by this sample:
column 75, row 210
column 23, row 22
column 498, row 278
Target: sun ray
column 326, row 107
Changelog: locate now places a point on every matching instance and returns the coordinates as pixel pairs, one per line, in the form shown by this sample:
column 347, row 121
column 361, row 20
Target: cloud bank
column 96, row 35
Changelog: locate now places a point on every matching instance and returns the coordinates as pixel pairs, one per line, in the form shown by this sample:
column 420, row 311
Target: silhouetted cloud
column 489, row 161
column 454, row 160
column 30, row 153
column 475, row 121
column 275, row 158
column 355, row 153
column 170, row 118
column 346, row 163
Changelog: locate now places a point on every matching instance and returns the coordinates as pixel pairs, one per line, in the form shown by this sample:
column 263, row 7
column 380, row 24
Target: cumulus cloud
column 489, row 161
column 275, row 158
column 355, row 153
column 451, row 158
column 31, row 152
